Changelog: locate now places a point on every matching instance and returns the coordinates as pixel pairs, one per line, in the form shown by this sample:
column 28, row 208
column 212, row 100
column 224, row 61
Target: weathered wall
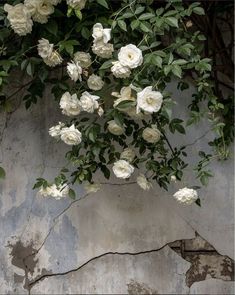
column 119, row 240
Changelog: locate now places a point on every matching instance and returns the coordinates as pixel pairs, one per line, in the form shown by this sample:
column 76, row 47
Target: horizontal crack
column 31, row 284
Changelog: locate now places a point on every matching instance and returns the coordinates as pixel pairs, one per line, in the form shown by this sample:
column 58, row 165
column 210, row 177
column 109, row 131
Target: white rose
column 53, row 59
column 128, row 154
column 94, row 82
column 71, row 135
column 152, row 134
column 19, row 18
column 173, row 178
column 89, row 102
column 114, row 128
column 100, row 111
column 130, row 56
column 39, row 9
column 70, row 104
column 55, row 2
column 122, row 169
column 125, row 94
column 120, row 71
column 149, row 100
column 101, row 34
column 55, row 131
column 78, row 4
column 92, row 187
column 186, row 196
column 143, row 182
column 103, row 50
column 44, row 48
column 83, row 58
column 74, row 71
column 54, row 191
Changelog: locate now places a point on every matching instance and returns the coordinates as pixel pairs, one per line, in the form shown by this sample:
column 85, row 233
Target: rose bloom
column 101, row 34
column 74, row 71
column 125, row 94
column 44, row 48
column 78, row 4
column 128, row 154
column 54, row 191
column 186, row 196
column 120, row 71
column 53, row 59
column 89, row 102
column 152, row 134
column 92, row 187
column 55, row 131
column 114, row 128
column 19, row 18
column 71, row 135
column 100, row 111
column 70, row 104
column 103, row 50
column 130, row 56
column 39, row 9
column 95, row 82
column 122, row 169
column 149, row 100
column 83, row 59
column 143, row 182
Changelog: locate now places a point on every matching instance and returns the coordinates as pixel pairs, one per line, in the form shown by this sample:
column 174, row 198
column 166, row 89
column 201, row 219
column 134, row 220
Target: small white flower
column 122, row 169
column 152, row 134
column 54, row 191
column 130, row 56
column 149, row 100
column 89, row 102
column 77, row 4
column 173, row 178
column 44, row 48
column 74, row 71
column 40, row 10
column 95, row 82
column 102, row 49
column 101, row 34
column 125, row 94
column 70, row 104
column 55, row 131
column 186, row 196
column 120, row 71
column 114, row 128
column 71, row 135
column 92, row 187
column 83, row 59
column 128, row 154
column 19, row 18
column 100, row 111
column 143, row 182
column 53, row 59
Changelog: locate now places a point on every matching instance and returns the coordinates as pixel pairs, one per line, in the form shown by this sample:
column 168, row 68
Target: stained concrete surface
column 42, row 237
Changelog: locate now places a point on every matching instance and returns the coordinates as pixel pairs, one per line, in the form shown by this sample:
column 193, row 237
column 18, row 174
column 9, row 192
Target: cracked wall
column 118, row 240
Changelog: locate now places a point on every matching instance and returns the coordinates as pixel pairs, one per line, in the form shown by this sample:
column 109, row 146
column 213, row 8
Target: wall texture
column 118, row 240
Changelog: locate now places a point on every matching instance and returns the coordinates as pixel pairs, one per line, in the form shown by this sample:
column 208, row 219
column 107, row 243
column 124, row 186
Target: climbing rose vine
column 108, row 64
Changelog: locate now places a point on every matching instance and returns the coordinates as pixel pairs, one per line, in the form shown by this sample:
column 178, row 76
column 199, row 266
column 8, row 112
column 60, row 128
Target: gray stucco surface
column 124, row 231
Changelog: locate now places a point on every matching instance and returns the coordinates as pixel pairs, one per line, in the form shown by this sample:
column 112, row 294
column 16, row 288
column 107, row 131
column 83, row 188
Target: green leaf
column 176, row 70
column 134, row 24
column 78, row 14
column 125, row 104
column 103, row 3
column 199, row 10
column 72, row 194
column 157, row 60
column 145, row 27
column 52, row 27
column 139, row 9
column 107, row 64
column 105, row 171
column 146, row 16
column 122, row 25
column 172, row 21
column 2, row 173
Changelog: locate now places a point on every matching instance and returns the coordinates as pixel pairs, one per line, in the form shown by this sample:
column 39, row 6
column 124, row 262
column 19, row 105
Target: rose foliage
column 108, row 65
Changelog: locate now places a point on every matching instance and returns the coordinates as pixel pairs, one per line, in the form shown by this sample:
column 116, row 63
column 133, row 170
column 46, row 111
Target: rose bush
column 111, row 78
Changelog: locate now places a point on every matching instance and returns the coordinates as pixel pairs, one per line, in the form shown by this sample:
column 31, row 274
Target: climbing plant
column 108, row 64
